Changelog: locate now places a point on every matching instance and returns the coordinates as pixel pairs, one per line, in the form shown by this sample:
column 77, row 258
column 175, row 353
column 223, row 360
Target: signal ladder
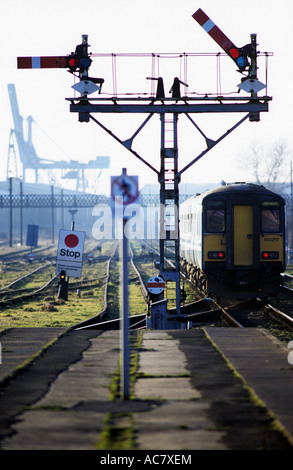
column 169, row 199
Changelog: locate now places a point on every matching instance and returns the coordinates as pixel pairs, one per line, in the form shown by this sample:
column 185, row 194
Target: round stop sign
column 156, row 285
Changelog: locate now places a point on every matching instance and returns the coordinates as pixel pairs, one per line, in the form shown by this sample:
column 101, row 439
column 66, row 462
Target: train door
column 243, row 235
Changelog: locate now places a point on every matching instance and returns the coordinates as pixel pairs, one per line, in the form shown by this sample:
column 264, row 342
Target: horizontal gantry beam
column 251, row 106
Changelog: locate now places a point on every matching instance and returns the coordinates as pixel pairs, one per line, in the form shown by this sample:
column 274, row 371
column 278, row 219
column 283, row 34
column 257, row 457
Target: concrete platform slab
column 262, row 361
column 20, row 344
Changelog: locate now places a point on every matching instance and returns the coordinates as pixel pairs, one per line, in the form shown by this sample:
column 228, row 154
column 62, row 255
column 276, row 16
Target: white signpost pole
column 124, row 190
column 125, row 316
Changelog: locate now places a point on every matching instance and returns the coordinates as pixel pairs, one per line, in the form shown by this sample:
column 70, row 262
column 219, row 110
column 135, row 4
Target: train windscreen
column 215, row 217
column 270, row 218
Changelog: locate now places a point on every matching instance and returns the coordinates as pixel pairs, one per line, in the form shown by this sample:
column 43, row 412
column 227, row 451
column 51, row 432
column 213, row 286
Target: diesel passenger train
column 232, row 241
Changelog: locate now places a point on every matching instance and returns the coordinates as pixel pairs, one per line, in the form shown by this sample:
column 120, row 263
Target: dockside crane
column 29, row 158
column 27, row 152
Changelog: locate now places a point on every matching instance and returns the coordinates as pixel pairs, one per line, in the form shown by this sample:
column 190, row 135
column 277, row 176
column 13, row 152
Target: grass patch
column 52, row 313
column 118, row 432
column 49, row 311
column 119, row 428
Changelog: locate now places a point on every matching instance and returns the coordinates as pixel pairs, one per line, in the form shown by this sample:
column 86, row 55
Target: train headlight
column 216, row 255
column 270, row 255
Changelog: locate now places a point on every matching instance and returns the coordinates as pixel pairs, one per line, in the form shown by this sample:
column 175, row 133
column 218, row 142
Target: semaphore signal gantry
column 169, row 108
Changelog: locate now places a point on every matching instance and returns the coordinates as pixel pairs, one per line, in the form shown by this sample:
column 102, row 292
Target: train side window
column 270, row 219
column 215, row 217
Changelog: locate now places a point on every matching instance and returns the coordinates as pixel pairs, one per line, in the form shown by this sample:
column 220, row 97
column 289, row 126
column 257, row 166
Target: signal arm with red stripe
column 42, row 62
column 238, row 54
column 78, row 61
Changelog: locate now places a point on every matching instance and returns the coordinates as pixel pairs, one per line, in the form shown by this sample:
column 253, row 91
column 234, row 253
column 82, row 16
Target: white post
column 125, row 313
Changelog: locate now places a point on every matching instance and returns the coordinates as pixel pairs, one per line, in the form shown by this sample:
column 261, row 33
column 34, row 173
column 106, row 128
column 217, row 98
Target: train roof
column 233, row 188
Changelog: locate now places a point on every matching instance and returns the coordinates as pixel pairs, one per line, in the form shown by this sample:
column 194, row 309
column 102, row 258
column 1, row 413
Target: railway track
column 200, row 310
column 27, row 276
column 256, row 314
column 10, row 294
column 91, row 322
column 32, row 283
column 103, row 319
column 23, row 253
column 277, row 313
column 13, row 295
column 271, row 316
column 287, row 278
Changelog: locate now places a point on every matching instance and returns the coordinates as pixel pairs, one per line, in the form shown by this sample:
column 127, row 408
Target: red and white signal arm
column 236, row 54
column 156, row 285
column 70, row 252
column 209, row 26
column 45, row 62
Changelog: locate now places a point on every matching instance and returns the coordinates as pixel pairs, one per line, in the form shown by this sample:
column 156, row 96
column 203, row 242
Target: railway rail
column 280, row 316
column 100, row 321
column 287, row 278
column 4, row 290
column 31, row 295
column 13, row 295
column 90, row 322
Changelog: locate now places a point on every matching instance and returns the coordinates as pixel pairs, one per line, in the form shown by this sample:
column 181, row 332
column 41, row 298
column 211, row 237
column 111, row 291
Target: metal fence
column 47, row 200
column 83, row 200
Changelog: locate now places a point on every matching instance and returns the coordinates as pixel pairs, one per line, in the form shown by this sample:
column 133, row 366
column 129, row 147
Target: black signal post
column 63, row 286
column 80, row 60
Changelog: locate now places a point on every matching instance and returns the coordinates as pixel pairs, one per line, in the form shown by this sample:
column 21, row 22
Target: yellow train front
column 232, row 241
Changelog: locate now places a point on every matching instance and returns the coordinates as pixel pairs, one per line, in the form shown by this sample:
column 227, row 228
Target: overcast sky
column 55, row 27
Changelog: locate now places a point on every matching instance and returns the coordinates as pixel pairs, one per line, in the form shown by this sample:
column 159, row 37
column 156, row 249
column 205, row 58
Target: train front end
column 243, row 241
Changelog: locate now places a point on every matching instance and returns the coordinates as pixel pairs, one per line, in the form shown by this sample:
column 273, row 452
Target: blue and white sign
column 124, row 188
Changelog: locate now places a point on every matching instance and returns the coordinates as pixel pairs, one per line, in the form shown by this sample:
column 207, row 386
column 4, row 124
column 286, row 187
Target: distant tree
column 269, row 166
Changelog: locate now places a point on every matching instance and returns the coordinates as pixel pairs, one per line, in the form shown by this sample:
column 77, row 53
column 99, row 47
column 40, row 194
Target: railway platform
column 198, row 389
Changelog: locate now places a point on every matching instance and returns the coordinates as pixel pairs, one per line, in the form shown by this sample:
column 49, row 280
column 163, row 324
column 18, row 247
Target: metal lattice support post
column 169, row 204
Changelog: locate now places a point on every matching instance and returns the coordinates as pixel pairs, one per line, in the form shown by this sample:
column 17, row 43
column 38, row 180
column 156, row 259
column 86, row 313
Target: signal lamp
column 183, row 294
column 242, row 62
column 234, row 52
column 85, row 62
column 216, row 255
column 270, row 255
column 76, row 61
column 73, row 62
column 239, row 57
